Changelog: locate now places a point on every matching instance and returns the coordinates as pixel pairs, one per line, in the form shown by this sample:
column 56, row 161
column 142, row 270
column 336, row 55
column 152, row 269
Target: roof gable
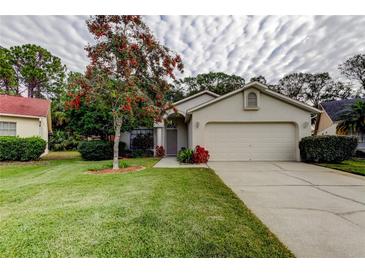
column 264, row 89
column 335, row 108
column 23, row 106
column 214, row 95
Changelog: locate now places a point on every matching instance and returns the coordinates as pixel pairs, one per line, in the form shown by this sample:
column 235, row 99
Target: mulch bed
column 121, row 170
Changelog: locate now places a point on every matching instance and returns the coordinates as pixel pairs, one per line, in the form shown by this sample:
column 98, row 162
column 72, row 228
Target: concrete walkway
column 171, row 162
column 315, row 211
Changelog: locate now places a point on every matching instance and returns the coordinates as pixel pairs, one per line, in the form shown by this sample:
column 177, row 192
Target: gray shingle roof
column 336, row 108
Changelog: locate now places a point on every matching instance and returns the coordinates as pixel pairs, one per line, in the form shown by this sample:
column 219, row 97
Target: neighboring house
column 330, row 117
column 251, row 123
column 25, row 117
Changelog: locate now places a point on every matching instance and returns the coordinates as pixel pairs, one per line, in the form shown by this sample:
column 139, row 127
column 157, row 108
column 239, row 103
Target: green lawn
column 52, row 208
column 356, row 166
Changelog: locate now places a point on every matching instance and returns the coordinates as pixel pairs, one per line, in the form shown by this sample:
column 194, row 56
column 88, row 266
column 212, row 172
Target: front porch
column 172, row 133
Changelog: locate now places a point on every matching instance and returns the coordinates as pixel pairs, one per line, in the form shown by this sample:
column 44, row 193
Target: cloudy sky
column 243, row 45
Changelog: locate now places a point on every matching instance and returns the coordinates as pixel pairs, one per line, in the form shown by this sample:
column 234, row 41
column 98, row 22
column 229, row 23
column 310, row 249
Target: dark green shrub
column 96, row 150
column 327, row 149
column 360, row 154
column 185, row 155
column 142, row 141
column 138, row 153
column 21, row 149
column 122, row 147
column 62, row 141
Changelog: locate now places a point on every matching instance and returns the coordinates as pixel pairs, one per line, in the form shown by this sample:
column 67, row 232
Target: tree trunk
column 117, row 127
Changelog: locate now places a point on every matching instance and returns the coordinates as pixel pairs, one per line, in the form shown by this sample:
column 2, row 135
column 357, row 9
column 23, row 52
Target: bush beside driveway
column 52, row 208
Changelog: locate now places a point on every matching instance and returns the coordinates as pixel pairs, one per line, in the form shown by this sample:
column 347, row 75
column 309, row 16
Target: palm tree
column 353, row 119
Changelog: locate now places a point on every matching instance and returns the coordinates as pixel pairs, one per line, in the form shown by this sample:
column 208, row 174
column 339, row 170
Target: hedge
column 327, row 149
column 21, row 149
column 96, row 150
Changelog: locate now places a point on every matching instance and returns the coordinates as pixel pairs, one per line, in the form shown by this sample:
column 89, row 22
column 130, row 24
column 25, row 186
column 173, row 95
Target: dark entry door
column 171, row 136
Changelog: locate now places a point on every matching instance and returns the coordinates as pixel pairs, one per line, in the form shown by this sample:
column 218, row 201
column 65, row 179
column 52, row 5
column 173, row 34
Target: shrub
column 142, row 141
column 185, row 155
column 360, row 154
column 327, row 149
column 61, row 141
column 138, row 153
column 160, row 151
column 21, row 149
column 96, row 150
column 200, row 155
column 122, row 147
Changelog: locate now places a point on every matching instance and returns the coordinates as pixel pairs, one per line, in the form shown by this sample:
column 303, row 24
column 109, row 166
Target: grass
column 355, row 166
column 52, row 208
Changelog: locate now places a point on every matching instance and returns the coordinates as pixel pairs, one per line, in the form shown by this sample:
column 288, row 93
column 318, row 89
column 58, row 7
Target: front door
column 171, row 141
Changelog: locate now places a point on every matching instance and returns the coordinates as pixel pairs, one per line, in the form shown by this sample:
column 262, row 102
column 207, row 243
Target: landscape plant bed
column 113, row 171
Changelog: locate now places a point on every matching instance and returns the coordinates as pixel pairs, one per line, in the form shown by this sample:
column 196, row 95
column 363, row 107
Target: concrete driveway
column 315, row 211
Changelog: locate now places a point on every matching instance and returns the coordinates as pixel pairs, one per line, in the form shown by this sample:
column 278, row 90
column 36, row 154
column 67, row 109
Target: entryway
column 171, row 141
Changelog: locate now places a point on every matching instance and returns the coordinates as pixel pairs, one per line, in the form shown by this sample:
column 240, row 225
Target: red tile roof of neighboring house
column 18, row 105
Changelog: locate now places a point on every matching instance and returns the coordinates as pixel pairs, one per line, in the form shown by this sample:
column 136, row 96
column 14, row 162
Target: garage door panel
column 250, row 141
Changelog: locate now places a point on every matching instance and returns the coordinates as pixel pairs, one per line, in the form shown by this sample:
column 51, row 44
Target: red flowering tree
column 129, row 72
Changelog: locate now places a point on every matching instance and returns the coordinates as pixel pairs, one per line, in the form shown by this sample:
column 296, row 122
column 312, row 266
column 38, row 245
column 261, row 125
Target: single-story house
column 25, row 117
column 330, row 117
column 251, row 123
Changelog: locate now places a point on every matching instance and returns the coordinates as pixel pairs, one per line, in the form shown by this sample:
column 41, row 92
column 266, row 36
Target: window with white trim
column 252, row 100
column 7, row 128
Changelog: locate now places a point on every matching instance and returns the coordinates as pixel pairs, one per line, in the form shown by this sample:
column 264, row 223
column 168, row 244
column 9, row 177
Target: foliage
column 292, row 85
column 159, row 151
column 122, row 146
column 62, row 140
column 185, row 155
column 128, row 72
column 217, row 82
column 96, row 150
column 327, row 149
column 312, row 88
column 354, row 68
column 261, row 79
column 200, row 155
column 8, row 79
column 21, row 149
column 138, row 153
column 353, row 119
column 38, row 73
column 54, row 209
column 142, row 141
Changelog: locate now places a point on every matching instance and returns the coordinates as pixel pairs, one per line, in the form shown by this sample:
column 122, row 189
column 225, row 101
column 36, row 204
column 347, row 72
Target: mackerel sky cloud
column 243, row 45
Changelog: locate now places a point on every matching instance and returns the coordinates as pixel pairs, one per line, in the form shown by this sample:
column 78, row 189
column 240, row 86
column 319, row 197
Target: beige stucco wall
column 324, row 123
column 331, row 130
column 181, row 108
column 29, row 126
column 231, row 110
column 194, row 102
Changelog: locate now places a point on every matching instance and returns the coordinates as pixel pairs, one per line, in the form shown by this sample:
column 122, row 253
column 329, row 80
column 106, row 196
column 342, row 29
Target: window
column 252, row 100
column 7, row 129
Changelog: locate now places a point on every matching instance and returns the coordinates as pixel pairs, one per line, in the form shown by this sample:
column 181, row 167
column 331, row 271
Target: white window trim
column 10, row 122
column 245, row 100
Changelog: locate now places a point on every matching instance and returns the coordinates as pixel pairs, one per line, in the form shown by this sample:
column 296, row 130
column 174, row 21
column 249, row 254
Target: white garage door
column 251, row 141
